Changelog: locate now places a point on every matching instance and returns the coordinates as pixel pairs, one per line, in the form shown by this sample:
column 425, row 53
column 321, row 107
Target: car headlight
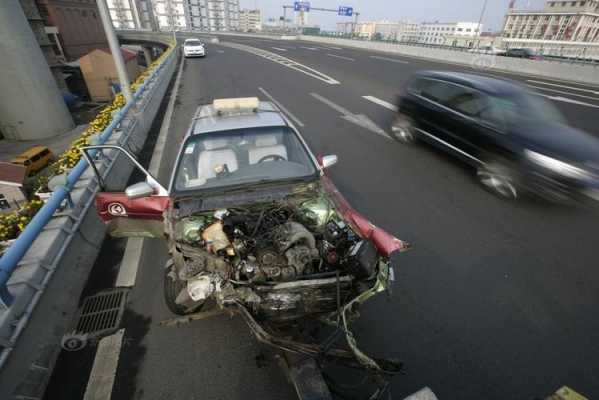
column 557, row 166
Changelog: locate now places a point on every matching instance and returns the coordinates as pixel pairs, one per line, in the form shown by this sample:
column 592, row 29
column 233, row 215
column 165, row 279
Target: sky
column 414, row 10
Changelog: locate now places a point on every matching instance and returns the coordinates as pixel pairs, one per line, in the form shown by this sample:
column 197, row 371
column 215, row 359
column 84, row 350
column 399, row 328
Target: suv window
column 439, row 91
column 468, row 102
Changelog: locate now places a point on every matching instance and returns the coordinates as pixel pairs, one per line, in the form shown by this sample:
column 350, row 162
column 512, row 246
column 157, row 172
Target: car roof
column 482, row 83
column 206, row 119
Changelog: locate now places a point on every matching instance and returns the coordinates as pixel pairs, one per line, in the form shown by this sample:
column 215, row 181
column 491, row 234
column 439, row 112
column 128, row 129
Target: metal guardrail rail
column 12, row 258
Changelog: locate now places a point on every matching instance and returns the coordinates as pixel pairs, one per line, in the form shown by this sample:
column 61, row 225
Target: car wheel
column 172, row 288
column 403, row 129
column 499, row 179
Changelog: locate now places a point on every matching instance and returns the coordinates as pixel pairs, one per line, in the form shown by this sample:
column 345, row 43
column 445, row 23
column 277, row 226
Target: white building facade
column 439, row 32
column 193, row 15
column 250, row 20
column 573, row 21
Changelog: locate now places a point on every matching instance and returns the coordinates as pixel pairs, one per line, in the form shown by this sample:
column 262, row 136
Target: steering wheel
column 272, row 157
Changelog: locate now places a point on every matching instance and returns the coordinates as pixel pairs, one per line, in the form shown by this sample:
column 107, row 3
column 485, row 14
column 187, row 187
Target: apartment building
column 440, row 32
column 250, row 20
column 559, row 20
column 131, row 14
column 403, row 31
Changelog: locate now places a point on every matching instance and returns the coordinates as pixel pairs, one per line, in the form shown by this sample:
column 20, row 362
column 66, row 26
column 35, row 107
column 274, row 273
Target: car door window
column 467, row 102
column 439, row 91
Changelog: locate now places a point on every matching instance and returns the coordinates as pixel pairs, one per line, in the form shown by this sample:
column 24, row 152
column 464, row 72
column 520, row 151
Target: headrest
column 214, row 144
column 265, row 140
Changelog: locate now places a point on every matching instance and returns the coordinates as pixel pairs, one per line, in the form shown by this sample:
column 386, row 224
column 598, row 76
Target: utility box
column 99, row 72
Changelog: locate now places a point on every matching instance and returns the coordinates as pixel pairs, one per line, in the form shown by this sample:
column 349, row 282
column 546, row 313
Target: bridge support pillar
column 31, row 106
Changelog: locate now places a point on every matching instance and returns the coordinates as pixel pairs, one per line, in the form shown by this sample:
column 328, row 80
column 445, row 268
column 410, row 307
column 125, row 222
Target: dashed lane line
column 341, row 57
column 380, row 102
column 395, row 60
column 278, row 48
column 564, row 92
column 282, row 107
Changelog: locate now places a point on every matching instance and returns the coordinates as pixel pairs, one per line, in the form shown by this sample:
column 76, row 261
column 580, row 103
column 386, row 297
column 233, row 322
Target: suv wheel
column 403, row 129
column 499, row 179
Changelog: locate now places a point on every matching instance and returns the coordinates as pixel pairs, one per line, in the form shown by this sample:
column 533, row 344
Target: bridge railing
column 28, row 264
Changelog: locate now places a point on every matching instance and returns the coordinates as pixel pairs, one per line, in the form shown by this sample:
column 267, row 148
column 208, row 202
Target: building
column 131, row 14
column 439, row 32
column 561, row 29
column 195, row 15
column 250, row 20
column 12, row 195
column 401, row 31
column 77, row 26
column 560, row 20
column 100, row 72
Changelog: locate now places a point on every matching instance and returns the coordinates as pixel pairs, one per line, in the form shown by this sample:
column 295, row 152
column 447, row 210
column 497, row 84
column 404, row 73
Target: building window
column 551, row 4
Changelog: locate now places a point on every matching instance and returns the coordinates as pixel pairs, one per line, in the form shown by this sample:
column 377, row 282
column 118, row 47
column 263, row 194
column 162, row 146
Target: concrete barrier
column 50, row 277
column 566, row 71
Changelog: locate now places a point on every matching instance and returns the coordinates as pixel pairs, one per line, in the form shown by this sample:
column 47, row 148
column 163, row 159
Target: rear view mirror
column 139, row 190
column 328, row 161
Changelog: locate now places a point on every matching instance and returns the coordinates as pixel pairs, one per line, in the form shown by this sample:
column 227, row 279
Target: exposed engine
column 273, row 257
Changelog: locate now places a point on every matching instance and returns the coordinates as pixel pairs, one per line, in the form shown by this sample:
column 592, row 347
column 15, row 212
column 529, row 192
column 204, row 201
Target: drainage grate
column 101, row 313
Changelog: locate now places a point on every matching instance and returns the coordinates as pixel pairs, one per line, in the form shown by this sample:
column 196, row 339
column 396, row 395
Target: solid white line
column 567, row 100
column 380, row 102
column 564, row 86
column 335, row 48
column 284, row 61
column 101, row 378
column 329, row 103
column 395, row 60
column 282, row 107
column 309, row 48
column 341, row 57
column 278, row 48
column 564, row 92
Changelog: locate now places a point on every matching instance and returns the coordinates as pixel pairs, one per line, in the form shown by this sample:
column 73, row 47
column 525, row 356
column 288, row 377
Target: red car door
column 136, row 211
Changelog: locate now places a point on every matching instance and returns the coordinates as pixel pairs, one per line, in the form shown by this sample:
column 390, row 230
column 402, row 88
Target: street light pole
column 115, row 49
column 480, row 20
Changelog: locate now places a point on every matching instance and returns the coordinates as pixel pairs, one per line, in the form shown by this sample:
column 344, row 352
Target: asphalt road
column 497, row 300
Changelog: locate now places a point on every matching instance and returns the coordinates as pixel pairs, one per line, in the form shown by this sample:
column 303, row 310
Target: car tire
column 499, row 178
column 172, row 288
column 403, row 129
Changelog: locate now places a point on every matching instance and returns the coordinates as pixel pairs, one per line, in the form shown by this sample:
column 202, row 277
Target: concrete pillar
column 148, row 55
column 31, row 106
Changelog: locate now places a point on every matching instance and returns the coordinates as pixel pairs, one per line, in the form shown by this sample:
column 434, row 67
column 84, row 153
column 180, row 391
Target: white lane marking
column 564, row 92
column 101, row 378
column 290, row 48
column 308, row 48
column 335, row 48
column 278, row 48
column 449, row 145
column 380, row 102
column 336, row 107
column 395, row 60
column 564, row 86
column 279, row 59
column 358, row 119
column 567, row 100
column 282, row 107
column 341, row 57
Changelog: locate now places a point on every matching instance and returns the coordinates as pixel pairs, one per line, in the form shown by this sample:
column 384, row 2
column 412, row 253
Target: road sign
column 301, row 6
column 345, row 11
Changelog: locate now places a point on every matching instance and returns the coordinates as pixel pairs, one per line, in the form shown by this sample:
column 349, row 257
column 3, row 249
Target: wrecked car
column 253, row 223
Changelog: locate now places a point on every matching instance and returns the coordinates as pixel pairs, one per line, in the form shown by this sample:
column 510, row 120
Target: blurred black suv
column 517, row 140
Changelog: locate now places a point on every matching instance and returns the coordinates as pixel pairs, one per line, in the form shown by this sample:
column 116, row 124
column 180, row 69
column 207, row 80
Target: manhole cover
column 101, row 313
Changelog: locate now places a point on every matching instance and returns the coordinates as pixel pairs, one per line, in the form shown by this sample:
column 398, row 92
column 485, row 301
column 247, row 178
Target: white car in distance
column 194, row 48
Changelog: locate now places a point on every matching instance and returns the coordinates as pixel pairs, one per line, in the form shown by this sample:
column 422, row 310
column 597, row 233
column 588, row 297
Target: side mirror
column 328, row 161
column 139, row 190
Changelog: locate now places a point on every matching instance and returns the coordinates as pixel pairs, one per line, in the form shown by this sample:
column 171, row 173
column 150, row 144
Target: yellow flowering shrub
column 12, row 224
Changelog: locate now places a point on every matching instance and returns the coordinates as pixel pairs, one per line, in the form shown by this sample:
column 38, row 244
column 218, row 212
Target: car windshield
column 525, row 107
column 242, row 157
column 193, row 43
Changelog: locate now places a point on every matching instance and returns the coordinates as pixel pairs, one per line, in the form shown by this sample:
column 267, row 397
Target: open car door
column 128, row 211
